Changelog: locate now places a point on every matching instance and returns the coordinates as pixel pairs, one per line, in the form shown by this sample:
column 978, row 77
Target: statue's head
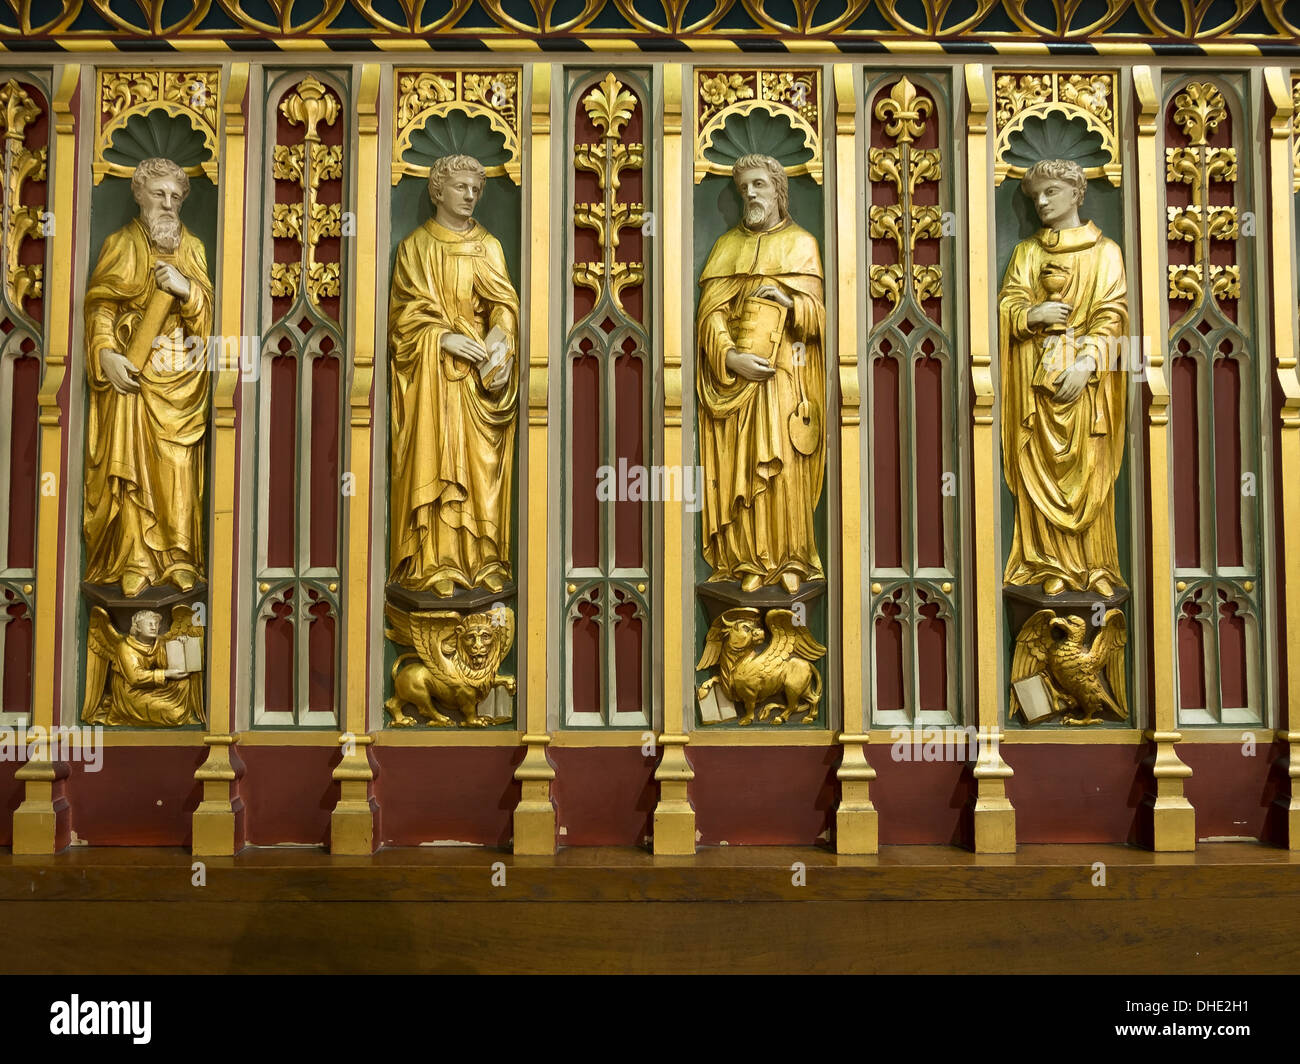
column 1056, row 187
column 476, row 636
column 145, row 624
column 764, row 190
column 160, row 187
column 742, row 628
column 455, row 184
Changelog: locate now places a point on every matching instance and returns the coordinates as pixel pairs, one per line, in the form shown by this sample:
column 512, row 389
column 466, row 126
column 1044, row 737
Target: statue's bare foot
column 133, row 584
column 1103, row 587
column 1053, row 585
column 493, row 582
column 443, row 588
column 751, row 583
column 790, row 581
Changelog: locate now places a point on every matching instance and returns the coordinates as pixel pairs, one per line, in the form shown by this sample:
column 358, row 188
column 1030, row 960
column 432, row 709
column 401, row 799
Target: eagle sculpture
column 1083, row 681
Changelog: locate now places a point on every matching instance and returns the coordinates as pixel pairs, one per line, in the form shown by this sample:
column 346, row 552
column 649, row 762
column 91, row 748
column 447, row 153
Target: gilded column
column 534, row 820
column 352, row 823
column 674, row 819
column 995, row 818
column 856, row 827
column 1283, row 185
column 1173, row 824
column 217, row 823
column 40, row 823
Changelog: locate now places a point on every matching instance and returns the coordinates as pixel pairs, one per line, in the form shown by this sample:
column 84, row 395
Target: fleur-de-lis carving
column 904, row 112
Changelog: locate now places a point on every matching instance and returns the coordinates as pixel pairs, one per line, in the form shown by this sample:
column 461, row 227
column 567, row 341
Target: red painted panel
column 1186, row 430
column 1191, row 659
column 320, row 658
column 932, row 658
column 1227, row 461
column 22, row 464
column 585, row 524
column 277, row 692
column 324, row 458
column 141, row 795
column 1076, row 793
column 17, row 694
column 11, row 797
column 930, row 425
column 288, row 793
column 919, row 802
column 629, row 445
column 763, row 795
column 433, row 794
column 889, row 659
column 628, row 633
column 585, row 659
column 604, row 796
column 886, row 517
column 1230, row 792
column 282, row 429
column 1233, row 687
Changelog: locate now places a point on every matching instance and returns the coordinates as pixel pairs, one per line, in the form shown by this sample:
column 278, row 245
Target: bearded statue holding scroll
column 761, row 386
column 148, row 301
column 1061, row 311
column 453, row 333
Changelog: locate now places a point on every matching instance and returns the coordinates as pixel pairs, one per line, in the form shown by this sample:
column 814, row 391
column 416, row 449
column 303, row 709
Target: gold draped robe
column 759, row 491
column 452, row 440
column 1061, row 458
column 146, row 453
column 139, row 693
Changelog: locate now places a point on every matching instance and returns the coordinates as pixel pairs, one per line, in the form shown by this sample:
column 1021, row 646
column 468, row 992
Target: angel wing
column 182, row 623
column 712, row 645
column 789, row 640
column 1108, row 650
column 103, row 640
column 1030, row 655
column 429, row 630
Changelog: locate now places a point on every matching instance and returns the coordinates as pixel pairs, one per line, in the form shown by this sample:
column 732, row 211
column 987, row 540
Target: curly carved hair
column 443, row 168
column 148, row 169
column 774, row 170
column 1055, row 169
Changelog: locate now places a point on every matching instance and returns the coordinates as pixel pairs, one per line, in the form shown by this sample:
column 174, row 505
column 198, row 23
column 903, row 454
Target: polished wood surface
column 1224, row 908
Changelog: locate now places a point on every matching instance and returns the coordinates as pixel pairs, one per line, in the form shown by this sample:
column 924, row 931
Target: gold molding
column 856, row 820
column 534, row 816
column 41, row 818
column 794, row 93
column 674, row 816
column 214, row 823
column 1173, row 825
column 995, row 817
column 21, row 221
column 1284, row 95
column 493, row 93
column 352, row 821
column 124, row 92
column 1090, row 96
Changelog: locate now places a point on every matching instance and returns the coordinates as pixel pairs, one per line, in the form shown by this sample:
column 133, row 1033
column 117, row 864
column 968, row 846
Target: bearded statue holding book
column 453, row 333
column 147, row 419
column 761, row 385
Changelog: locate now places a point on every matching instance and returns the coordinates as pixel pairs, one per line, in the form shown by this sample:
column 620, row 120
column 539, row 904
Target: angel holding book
column 143, row 678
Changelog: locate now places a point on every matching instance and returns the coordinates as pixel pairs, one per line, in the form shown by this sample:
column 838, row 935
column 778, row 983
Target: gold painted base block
column 1173, row 825
column 857, row 831
column 37, row 828
column 352, row 828
column 674, row 829
column 1293, row 828
column 534, row 826
column 995, row 826
column 217, row 828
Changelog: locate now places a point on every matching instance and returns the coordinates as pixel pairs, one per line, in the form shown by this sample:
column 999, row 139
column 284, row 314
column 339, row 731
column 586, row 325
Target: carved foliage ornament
column 309, row 104
column 904, row 112
column 793, row 95
column 1184, row 20
column 123, row 94
column 424, row 94
column 1088, row 96
column 21, row 223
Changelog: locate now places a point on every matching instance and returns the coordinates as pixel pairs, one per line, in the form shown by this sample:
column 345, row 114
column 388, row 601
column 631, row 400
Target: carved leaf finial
column 609, row 106
column 308, row 105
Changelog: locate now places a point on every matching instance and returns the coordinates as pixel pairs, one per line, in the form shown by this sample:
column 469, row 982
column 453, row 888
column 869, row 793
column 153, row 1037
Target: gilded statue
column 761, row 386
column 143, row 678
column 453, row 667
column 1062, row 314
column 148, row 301
column 762, row 674
column 453, row 332
column 1078, row 680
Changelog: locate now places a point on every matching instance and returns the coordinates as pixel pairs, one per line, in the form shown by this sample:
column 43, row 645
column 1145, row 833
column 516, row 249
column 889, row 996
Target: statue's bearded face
column 1055, row 200
column 758, row 197
column 160, row 207
column 459, row 195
